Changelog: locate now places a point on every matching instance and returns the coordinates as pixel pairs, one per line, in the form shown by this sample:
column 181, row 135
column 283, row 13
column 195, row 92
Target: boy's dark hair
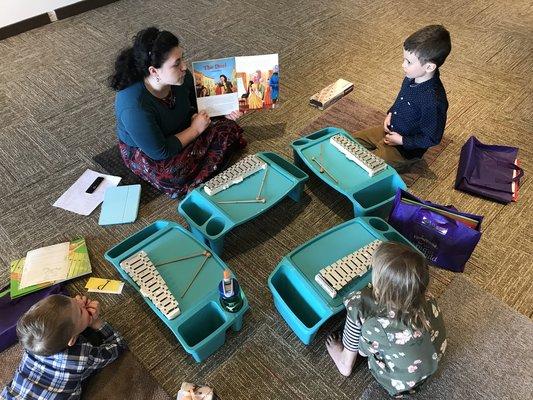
column 47, row 327
column 430, row 44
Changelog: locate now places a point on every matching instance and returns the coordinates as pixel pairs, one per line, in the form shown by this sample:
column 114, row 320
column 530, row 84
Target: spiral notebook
column 121, row 204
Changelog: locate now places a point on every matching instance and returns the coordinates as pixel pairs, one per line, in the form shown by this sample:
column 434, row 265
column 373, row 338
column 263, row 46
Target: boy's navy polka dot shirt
column 419, row 115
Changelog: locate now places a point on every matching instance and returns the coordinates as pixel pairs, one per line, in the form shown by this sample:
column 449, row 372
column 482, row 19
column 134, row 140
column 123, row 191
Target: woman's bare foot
column 344, row 359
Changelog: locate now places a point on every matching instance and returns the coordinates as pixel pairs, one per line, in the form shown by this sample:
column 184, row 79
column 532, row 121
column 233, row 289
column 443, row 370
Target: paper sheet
column 45, row 264
column 76, row 200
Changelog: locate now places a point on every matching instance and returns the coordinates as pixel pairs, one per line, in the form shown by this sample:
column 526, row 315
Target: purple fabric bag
column 446, row 242
column 12, row 310
column 488, row 170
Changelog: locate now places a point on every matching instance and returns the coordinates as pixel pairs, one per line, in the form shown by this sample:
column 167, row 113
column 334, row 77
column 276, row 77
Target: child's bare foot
column 343, row 361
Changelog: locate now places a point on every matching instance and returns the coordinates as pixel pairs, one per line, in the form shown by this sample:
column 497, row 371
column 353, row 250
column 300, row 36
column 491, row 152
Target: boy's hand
column 386, row 123
column 82, row 300
column 393, row 139
column 93, row 308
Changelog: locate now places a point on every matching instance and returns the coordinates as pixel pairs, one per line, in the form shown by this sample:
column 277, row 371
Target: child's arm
column 112, row 347
column 351, row 335
column 113, row 344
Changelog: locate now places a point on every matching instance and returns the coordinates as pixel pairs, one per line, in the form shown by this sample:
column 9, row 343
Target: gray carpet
column 111, row 162
column 56, row 114
column 489, row 350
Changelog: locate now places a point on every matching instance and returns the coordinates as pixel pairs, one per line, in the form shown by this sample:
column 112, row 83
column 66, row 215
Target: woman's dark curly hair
column 150, row 48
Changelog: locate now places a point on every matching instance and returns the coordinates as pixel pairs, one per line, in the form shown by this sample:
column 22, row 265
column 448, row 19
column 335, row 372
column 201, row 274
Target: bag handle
column 514, row 167
column 520, row 173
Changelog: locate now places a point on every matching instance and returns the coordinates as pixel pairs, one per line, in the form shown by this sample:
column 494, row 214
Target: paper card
column 102, row 285
column 77, row 200
column 45, row 264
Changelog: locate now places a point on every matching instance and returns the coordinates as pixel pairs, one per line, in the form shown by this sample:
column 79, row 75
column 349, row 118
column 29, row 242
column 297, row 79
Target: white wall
column 12, row 11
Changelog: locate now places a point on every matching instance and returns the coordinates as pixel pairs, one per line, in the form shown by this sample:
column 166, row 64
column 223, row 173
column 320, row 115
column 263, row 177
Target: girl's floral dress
column 400, row 357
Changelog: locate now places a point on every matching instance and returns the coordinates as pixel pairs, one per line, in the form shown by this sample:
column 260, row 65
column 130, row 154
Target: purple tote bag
column 12, row 310
column 446, row 242
column 488, row 170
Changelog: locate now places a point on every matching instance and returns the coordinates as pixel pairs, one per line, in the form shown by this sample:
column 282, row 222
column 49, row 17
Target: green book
column 79, row 264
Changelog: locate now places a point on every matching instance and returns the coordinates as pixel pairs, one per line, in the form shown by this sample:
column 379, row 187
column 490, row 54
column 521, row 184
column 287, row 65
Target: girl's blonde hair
column 400, row 278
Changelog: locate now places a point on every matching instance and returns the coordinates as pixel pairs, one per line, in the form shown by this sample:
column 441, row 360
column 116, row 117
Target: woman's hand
column 234, row 115
column 200, row 122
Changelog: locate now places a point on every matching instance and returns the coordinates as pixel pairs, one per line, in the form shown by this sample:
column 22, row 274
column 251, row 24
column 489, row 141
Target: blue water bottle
column 230, row 293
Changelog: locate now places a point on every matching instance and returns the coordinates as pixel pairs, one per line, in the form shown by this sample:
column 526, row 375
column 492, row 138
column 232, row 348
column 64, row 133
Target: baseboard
column 43, row 19
column 80, row 7
column 23, row 26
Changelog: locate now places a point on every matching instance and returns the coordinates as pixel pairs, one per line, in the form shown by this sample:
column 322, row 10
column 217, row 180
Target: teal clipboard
column 121, row 204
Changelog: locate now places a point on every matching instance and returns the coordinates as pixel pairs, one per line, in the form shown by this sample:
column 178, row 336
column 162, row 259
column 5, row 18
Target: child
column 417, row 118
column 56, row 358
column 394, row 324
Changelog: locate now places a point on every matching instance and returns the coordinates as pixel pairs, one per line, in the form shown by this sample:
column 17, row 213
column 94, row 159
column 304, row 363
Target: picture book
column 78, row 265
column 48, row 263
column 229, row 84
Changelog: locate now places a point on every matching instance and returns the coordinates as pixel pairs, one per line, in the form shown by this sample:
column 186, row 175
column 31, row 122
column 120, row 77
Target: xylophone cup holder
column 197, row 214
column 215, row 226
column 211, row 317
column 300, row 142
column 378, row 224
column 378, row 193
column 294, row 299
column 321, row 133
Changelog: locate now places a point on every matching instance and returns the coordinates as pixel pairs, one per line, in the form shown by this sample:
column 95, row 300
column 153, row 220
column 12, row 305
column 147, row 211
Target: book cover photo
column 229, row 84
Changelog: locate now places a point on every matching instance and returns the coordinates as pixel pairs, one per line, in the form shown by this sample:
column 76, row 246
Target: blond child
column 395, row 324
column 57, row 357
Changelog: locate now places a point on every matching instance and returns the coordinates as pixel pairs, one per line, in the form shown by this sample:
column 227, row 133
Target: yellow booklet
column 102, row 285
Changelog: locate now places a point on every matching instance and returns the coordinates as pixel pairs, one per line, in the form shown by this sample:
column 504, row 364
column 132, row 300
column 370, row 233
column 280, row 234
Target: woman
column 161, row 137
